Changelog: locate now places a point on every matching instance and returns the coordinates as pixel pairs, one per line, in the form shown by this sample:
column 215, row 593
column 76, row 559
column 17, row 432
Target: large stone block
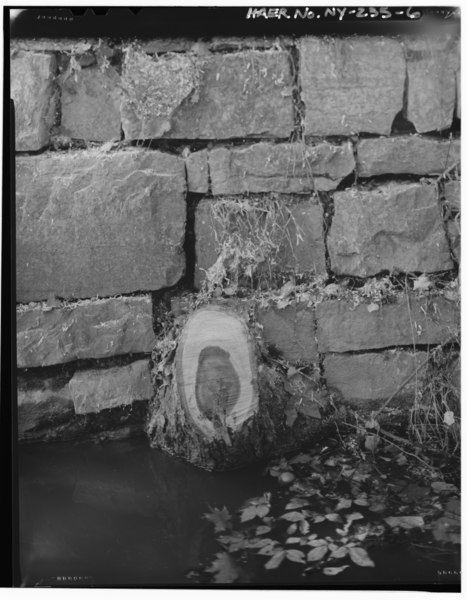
column 100, row 389
column 394, row 227
column 91, row 105
column 432, row 63
column 298, row 233
column 409, row 321
column 88, row 329
column 32, row 90
column 216, row 96
column 288, row 168
column 351, row 85
column 290, row 332
column 91, row 223
column 362, row 378
column 406, row 154
column 43, row 402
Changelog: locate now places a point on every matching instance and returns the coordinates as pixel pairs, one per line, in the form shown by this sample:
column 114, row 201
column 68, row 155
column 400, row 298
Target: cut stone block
column 394, row 227
column 351, row 85
column 32, row 90
column 89, row 329
column 96, row 390
column 302, row 247
column 291, row 332
column 362, row 378
column 197, row 172
column 288, row 168
column 432, row 63
column 343, row 327
column 42, row 402
column 216, row 96
column 91, row 223
column 91, row 105
column 452, row 194
column 406, row 154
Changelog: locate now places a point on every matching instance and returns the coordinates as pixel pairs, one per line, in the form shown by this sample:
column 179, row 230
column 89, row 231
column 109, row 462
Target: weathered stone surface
column 221, row 43
column 452, row 194
column 163, row 45
column 432, row 63
column 215, row 96
column 90, row 329
column 343, row 327
column 365, row 377
column 53, row 45
column 291, row 332
column 43, row 401
column 396, row 227
column 91, row 105
column 288, row 168
column 454, row 234
column 301, row 250
column 91, row 223
column 32, row 90
column 96, row 390
column 197, row 172
column 351, row 85
column 406, row 154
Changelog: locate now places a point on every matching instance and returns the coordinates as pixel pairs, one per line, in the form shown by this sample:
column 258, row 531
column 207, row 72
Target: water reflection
column 118, row 514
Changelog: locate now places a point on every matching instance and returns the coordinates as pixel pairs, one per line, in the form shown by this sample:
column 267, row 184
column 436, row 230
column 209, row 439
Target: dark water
column 121, row 514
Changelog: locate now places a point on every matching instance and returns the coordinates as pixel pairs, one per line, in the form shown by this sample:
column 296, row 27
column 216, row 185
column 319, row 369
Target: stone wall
column 125, row 150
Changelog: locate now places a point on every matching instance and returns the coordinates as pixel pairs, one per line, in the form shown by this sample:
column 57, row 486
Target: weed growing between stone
column 332, row 508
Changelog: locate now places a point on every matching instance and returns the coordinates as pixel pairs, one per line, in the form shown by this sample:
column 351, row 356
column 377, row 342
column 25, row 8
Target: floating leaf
column 276, row 560
column 297, row 503
column 360, row 557
column 225, row 568
column 317, row 553
column 219, row 518
column 340, row 552
column 293, row 516
column 295, row 556
column 343, row 503
column 405, row 522
column 334, row 570
column 262, row 529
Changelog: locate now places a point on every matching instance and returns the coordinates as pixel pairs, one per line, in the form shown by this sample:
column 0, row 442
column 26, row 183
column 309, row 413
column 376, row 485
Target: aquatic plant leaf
column 295, row 556
column 405, row 522
column 225, row 568
column 275, row 561
column 262, row 529
column 343, row 503
column 297, row 503
column 221, row 519
column 293, row 516
column 340, row 552
column 317, row 553
column 360, row 557
column 334, row 570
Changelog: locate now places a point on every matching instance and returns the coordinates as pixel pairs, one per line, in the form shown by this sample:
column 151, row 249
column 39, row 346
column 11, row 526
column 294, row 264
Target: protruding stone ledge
column 365, row 380
column 287, row 168
column 88, row 329
column 406, row 155
column 409, row 321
